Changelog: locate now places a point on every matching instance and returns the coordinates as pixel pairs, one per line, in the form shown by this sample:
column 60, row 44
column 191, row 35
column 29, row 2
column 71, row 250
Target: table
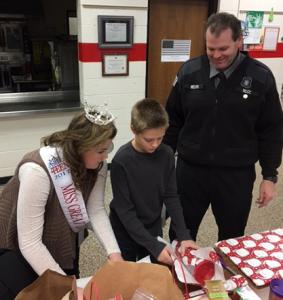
column 263, row 293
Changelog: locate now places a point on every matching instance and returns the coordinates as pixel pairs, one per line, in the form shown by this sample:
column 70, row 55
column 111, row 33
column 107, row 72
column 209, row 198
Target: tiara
column 98, row 114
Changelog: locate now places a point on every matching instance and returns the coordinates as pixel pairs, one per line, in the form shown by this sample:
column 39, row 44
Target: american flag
column 180, row 49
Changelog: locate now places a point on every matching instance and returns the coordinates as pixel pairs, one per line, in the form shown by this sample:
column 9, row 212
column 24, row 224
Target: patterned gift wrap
column 259, row 256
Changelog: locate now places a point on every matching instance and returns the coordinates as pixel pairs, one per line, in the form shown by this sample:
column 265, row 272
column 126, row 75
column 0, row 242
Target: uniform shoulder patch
column 175, row 81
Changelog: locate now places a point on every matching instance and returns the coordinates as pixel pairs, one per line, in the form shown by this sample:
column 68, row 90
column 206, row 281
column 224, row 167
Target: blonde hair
column 80, row 136
column 148, row 114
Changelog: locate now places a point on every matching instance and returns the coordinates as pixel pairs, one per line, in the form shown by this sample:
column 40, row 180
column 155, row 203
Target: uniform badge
column 195, row 87
column 246, row 82
column 175, row 81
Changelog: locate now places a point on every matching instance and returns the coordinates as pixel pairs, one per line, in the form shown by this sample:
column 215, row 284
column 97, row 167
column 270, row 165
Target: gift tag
column 216, row 290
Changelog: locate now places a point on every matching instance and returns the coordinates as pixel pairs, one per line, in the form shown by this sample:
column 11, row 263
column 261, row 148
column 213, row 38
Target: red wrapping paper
column 259, row 256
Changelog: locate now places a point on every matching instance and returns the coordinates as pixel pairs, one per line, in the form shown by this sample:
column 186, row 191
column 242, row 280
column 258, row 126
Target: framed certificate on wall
column 270, row 38
column 115, row 65
column 115, row 31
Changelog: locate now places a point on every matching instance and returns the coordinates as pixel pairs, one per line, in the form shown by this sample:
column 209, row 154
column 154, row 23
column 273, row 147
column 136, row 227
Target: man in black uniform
column 225, row 115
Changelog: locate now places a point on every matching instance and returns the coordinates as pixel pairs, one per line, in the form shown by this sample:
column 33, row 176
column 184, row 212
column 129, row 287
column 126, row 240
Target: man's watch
column 271, row 178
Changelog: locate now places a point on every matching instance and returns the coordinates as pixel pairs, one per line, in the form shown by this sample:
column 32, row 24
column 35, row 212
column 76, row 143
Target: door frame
column 212, row 8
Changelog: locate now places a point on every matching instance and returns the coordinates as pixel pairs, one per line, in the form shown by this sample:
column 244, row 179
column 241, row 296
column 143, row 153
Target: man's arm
column 270, row 140
column 173, row 206
column 176, row 116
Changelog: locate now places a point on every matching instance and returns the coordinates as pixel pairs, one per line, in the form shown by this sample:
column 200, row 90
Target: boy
column 143, row 178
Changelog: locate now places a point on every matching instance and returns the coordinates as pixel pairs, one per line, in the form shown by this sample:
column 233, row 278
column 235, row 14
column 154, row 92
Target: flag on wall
column 175, row 50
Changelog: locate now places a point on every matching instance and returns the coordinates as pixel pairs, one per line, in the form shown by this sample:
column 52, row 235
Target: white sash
column 71, row 199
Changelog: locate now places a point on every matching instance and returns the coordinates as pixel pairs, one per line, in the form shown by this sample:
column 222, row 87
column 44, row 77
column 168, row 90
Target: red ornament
column 204, row 270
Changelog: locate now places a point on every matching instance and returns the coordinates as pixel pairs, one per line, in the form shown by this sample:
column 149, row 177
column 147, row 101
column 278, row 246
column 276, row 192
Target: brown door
column 176, row 20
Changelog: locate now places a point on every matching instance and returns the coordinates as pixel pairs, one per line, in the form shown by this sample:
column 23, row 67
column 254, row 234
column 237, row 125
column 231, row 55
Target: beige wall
column 120, row 93
column 239, row 9
column 19, row 135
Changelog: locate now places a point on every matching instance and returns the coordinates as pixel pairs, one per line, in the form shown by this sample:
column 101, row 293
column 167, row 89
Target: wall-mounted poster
column 270, row 39
column 254, row 20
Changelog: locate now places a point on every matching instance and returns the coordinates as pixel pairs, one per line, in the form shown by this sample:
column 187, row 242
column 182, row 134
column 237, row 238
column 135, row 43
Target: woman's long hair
column 80, row 136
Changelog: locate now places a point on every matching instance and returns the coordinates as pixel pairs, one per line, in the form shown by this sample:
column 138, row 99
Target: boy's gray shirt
column 141, row 183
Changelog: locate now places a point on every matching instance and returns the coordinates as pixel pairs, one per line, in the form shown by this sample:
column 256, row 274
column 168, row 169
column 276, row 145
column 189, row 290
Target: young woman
column 57, row 191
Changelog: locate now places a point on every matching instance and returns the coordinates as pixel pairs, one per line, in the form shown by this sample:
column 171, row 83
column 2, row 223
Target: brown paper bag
column 50, row 285
column 69, row 296
column 125, row 277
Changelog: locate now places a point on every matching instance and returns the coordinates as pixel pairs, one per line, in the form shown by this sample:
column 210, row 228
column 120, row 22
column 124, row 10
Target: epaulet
column 191, row 66
column 258, row 70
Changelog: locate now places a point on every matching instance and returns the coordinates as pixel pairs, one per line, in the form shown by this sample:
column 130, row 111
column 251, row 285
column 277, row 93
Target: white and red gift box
column 259, row 256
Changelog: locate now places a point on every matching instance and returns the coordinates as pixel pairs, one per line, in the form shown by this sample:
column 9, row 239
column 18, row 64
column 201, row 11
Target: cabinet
column 11, row 37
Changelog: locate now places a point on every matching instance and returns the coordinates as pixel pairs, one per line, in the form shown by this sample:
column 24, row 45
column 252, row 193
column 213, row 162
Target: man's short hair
column 148, row 114
column 218, row 22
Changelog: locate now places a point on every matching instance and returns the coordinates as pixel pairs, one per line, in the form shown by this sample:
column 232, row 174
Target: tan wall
column 119, row 92
column 22, row 134
column 239, row 9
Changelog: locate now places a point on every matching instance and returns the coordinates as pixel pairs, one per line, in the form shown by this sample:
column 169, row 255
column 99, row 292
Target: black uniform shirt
column 229, row 127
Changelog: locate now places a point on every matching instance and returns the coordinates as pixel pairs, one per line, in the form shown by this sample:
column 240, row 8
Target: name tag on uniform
column 195, row 87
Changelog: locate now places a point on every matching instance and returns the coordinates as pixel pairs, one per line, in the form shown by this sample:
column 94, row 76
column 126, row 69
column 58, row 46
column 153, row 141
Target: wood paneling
column 178, row 19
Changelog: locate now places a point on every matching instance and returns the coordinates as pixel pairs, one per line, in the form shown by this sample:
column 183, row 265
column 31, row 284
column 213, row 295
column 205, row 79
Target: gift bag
column 50, row 285
column 197, row 265
column 124, row 278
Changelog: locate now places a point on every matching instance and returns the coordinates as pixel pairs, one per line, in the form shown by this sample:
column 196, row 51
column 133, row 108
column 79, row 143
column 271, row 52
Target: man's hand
column 267, row 192
column 187, row 244
column 115, row 257
column 164, row 256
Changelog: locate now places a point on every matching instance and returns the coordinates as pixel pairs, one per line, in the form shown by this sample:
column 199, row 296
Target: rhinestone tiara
column 98, row 114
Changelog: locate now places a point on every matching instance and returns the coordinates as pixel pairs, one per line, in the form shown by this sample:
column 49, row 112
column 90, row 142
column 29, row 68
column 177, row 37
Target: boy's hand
column 187, row 244
column 164, row 256
column 115, row 257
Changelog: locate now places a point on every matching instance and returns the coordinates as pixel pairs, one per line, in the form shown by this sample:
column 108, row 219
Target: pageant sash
column 71, row 199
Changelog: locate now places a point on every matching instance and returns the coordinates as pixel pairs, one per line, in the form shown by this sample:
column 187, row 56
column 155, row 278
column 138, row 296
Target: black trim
column 212, row 7
column 273, row 179
column 4, row 180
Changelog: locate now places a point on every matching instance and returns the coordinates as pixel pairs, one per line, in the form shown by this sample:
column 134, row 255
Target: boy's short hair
column 148, row 114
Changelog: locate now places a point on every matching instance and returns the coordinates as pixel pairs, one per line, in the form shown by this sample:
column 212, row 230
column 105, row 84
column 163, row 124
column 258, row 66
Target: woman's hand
column 80, row 293
column 187, row 244
column 115, row 257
